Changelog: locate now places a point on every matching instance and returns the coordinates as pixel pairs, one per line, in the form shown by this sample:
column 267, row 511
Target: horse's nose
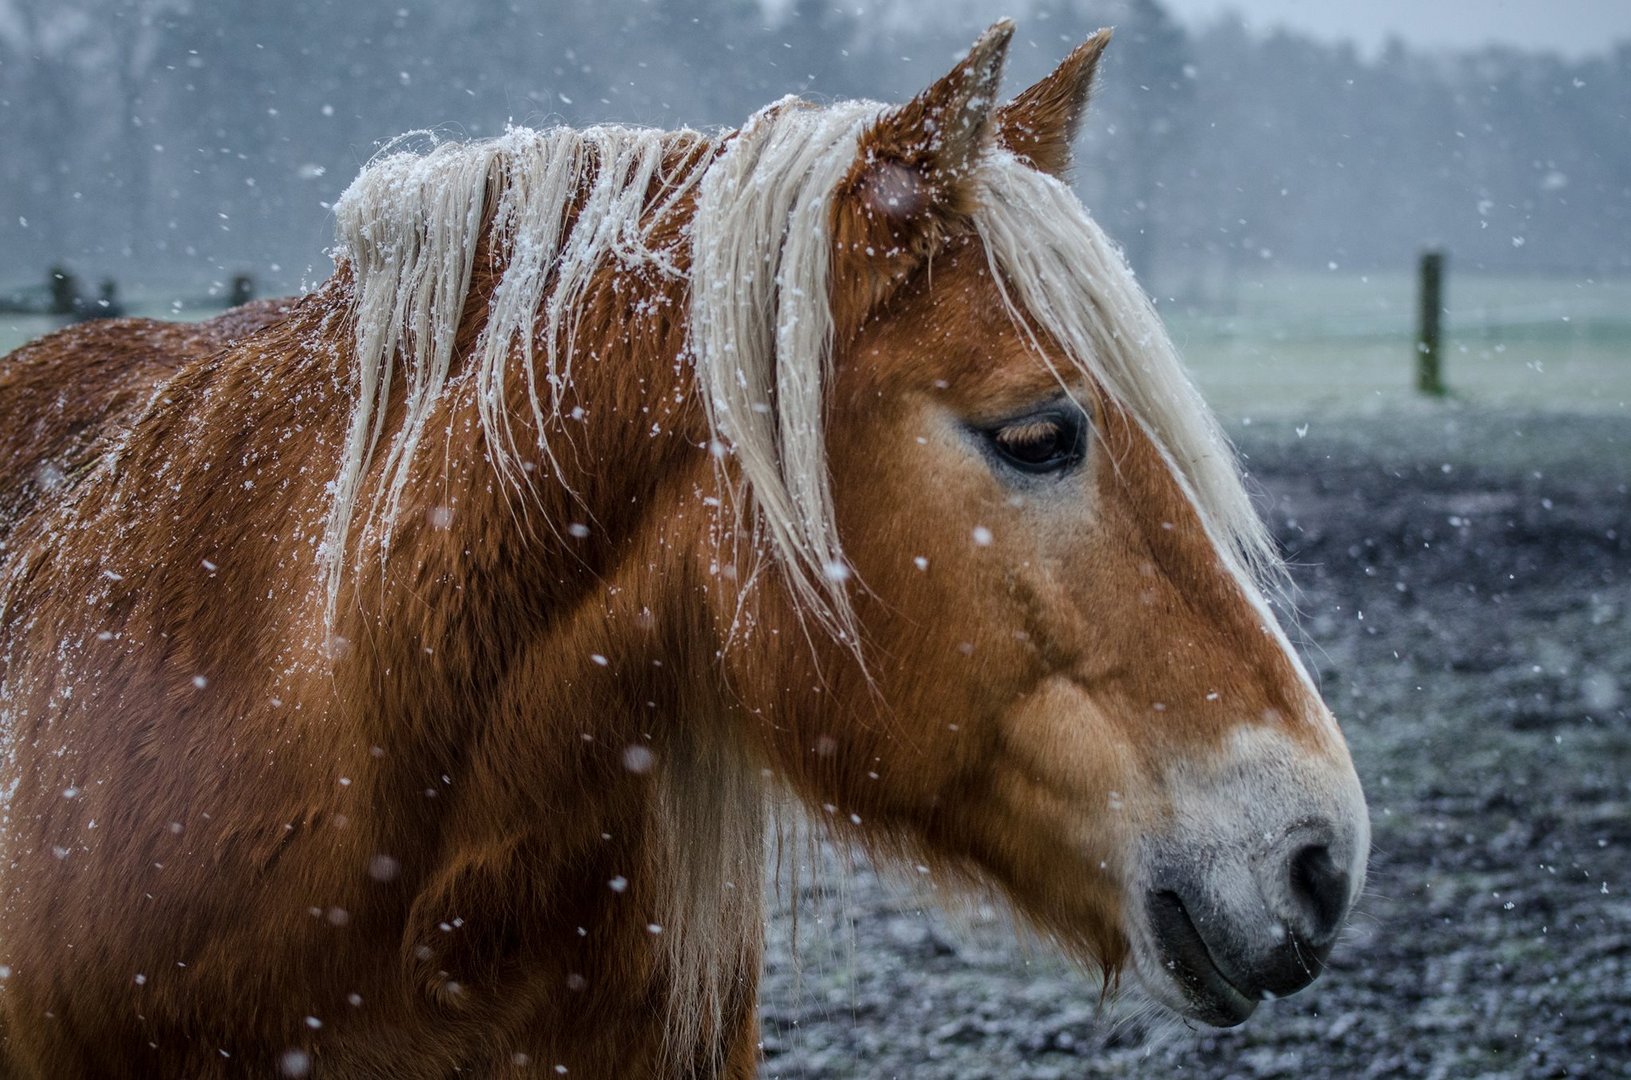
column 1232, row 933
column 1307, row 891
column 1318, row 890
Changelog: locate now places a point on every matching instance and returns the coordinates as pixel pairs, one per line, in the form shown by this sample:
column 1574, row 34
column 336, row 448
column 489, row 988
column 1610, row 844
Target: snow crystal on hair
column 761, row 332
column 409, row 226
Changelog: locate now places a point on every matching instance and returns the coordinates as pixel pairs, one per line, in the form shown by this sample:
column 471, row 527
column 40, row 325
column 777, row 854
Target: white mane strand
column 1074, row 283
column 409, row 227
column 761, row 333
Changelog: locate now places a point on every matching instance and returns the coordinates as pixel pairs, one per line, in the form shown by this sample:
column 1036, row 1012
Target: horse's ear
column 914, row 173
column 1040, row 124
column 917, row 159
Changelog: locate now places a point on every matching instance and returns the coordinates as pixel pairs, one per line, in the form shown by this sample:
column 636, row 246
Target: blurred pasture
column 1282, row 342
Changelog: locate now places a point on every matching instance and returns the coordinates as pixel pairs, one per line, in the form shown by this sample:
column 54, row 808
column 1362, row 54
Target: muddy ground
column 1466, row 602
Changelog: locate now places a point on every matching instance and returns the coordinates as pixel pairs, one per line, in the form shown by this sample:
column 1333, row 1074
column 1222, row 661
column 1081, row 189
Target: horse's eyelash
column 1031, row 430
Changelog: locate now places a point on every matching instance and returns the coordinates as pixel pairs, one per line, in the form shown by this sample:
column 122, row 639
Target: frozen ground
column 1466, row 581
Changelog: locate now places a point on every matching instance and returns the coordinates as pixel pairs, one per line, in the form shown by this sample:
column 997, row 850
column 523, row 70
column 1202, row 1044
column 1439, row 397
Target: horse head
column 1044, row 655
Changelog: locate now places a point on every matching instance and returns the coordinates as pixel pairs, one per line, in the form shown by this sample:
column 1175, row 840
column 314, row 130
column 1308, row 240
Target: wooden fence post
column 1429, row 373
column 64, row 291
column 243, row 290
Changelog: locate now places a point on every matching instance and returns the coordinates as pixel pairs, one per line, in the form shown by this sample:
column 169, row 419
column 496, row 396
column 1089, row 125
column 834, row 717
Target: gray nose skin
column 1233, row 935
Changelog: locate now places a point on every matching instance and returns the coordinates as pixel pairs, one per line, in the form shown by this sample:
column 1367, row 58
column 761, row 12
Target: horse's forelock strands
column 761, row 333
column 1073, row 282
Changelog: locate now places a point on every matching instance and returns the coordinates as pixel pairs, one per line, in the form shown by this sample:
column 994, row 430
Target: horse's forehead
column 952, row 331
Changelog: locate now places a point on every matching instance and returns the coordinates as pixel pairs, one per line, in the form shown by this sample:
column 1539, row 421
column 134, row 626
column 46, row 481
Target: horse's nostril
column 1320, row 890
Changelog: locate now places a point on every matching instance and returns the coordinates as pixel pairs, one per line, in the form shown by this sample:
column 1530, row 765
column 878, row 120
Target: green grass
column 1288, row 342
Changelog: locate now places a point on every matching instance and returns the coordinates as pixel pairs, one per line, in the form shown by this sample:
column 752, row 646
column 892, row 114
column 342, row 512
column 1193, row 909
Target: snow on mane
column 408, row 228
column 567, row 203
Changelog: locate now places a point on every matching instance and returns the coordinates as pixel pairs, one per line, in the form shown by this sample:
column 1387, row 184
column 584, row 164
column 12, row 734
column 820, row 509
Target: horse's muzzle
column 1231, row 932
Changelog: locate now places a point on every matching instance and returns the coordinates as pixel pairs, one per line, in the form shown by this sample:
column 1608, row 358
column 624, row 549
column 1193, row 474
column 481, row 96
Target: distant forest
column 185, row 139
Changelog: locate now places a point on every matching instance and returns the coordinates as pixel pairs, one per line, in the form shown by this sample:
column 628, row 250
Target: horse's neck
column 533, row 627
column 553, row 652
column 603, row 757
column 481, row 562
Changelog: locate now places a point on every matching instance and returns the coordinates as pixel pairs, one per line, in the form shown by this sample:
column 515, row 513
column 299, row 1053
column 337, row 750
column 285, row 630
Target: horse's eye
column 1050, row 442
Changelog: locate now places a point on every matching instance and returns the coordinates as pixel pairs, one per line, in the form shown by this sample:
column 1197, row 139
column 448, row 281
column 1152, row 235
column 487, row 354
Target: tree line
column 174, row 138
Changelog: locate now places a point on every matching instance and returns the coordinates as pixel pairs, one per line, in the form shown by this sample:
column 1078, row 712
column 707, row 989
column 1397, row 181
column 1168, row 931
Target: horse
column 396, row 681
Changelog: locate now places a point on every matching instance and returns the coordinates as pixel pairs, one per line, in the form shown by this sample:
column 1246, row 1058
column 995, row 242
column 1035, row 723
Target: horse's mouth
column 1210, row 996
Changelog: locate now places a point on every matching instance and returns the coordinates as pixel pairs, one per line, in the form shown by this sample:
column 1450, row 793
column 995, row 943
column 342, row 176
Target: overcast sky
column 1573, row 27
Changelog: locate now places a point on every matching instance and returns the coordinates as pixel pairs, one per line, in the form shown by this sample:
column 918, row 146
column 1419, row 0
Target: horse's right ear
column 913, row 175
column 1040, row 124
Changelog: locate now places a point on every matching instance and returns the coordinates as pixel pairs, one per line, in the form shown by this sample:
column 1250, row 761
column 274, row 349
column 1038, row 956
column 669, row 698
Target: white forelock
column 1072, row 282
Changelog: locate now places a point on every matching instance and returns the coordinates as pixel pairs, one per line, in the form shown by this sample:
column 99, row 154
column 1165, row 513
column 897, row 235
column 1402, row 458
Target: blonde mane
column 761, row 333
column 760, row 319
column 565, row 204
column 408, row 228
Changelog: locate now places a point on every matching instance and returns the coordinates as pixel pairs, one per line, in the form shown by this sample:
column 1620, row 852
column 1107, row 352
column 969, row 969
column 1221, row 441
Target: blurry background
column 1272, row 167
